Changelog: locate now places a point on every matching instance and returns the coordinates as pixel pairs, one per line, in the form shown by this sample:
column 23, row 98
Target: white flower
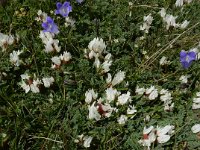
column 106, row 66
column 118, row 78
column 111, row 94
column 148, row 137
column 41, row 16
column 163, row 61
column 25, row 86
column 90, row 95
column 56, row 60
column 87, row 141
column 97, row 62
column 124, row 98
column 48, row 81
column 109, row 78
column 171, row 21
column 195, row 105
column 163, row 12
column 152, row 93
column 184, row 79
column 131, row 110
column 122, row 119
column 69, row 22
column 196, row 128
column 6, row 40
column 34, row 86
column 164, row 134
column 93, row 112
column 107, row 109
column 97, row 45
column 14, row 57
column 184, row 24
column 179, row 3
column 66, row 56
column 140, row 91
column 147, row 23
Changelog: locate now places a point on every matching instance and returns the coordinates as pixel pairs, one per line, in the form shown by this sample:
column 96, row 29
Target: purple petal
column 192, row 55
column 66, row 4
column 185, row 64
column 50, row 20
column 57, row 12
column 183, row 54
column 44, row 25
column 58, row 5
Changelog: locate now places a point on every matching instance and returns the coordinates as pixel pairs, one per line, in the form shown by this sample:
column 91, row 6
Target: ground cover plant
column 94, row 74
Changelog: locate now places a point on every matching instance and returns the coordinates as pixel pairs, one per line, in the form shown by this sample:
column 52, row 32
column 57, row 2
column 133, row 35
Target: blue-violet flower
column 187, row 58
column 63, row 9
column 50, row 26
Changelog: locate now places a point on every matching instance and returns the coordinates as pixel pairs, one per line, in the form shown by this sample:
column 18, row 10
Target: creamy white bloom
column 14, row 57
column 163, row 12
column 149, row 90
column 106, row 66
column 124, row 98
column 184, row 79
column 196, row 128
column 41, row 16
column 87, row 141
column 171, row 21
column 164, row 61
column 118, row 78
column 69, row 22
column 66, row 56
column 109, row 78
column 48, row 81
column 107, row 109
column 164, row 133
column 34, row 86
column 111, row 94
column 56, row 60
column 184, row 24
column 93, row 112
column 179, row 3
column 25, row 86
column 147, row 23
column 97, row 62
column 97, row 45
column 131, row 110
column 153, row 95
column 122, row 119
column 6, row 40
column 140, row 91
column 90, row 95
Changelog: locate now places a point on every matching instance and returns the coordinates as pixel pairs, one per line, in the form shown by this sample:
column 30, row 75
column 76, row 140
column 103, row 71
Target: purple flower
column 63, row 9
column 186, row 58
column 50, row 26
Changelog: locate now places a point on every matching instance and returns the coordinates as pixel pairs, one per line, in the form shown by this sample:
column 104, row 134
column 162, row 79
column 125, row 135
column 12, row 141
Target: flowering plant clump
column 84, row 74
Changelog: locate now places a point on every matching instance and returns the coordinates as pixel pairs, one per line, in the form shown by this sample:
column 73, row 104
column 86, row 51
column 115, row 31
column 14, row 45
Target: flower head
column 186, row 58
column 50, row 26
column 63, row 9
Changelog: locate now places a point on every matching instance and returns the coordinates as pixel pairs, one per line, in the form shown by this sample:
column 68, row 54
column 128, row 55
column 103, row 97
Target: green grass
column 31, row 121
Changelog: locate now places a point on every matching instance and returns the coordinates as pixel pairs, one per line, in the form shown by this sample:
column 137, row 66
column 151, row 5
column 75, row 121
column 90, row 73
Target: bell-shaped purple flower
column 187, row 58
column 63, row 9
column 50, row 26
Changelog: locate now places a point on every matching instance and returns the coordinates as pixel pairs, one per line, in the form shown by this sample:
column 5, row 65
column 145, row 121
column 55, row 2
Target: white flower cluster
column 41, row 16
column 85, row 140
column 184, row 79
column 102, row 107
column 159, row 134
column 96, row 50
column 196, row 128
column 147, row 23
column 152, row 93
column 170, row 20
column 196, row 101
column 51, row 45
column 29, row 84
column 164, row 61
column 62, row 59
column 69, row 22
column 14, row 58
column 167, row 99
column 6, row 40
column 180, row 3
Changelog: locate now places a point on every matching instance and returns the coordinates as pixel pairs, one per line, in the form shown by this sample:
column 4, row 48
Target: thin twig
column 37, row 137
